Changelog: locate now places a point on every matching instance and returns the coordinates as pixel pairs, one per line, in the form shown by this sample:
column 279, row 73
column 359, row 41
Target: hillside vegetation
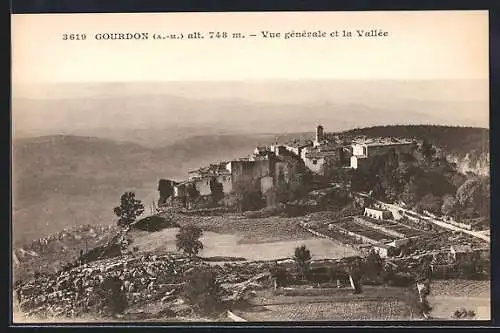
column 468, row 147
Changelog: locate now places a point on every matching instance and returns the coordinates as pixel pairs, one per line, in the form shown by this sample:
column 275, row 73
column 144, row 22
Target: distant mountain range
column 156, row 113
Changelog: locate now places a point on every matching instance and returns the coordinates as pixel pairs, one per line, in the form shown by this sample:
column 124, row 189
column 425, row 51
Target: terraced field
column 348, row 311
column 366, row 231
column 395, row 226
column 376, row 303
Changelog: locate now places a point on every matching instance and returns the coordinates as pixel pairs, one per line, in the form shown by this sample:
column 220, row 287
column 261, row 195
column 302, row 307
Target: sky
column 438, row 61
column 419, row 45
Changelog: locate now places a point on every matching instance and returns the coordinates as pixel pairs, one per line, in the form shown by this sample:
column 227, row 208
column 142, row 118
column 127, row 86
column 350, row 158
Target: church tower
column 319, row 135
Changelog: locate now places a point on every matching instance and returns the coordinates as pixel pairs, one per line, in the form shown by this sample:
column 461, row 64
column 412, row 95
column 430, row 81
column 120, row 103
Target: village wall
column 364, row 222
column 203, row 186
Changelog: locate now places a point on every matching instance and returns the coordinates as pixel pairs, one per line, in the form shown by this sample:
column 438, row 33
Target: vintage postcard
column 250, row 167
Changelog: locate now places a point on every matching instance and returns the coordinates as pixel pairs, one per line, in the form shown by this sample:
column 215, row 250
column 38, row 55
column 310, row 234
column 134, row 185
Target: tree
column 188, row 241
column 409, row 194
column 166, row 189
column 427, row 150
column 430, row 203
column 302, row 258
column 374, row 265
column 130, row 208
column 355, row 272
column 201, row 289
column 474, row 196
column 449, row 204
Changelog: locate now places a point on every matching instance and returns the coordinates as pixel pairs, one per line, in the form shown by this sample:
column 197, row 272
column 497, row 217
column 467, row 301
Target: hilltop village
column 270, row 165
column 345, row 174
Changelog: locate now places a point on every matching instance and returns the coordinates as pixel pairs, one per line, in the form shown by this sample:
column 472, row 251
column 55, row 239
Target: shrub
column 302, row 257
column 114, row 297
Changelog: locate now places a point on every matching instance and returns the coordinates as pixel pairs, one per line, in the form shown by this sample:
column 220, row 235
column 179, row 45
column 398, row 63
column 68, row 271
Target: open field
column 216, row 244
column 258, row 230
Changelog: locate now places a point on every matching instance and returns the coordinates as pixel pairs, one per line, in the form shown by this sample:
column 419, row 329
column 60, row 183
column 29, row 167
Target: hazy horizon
column 115, row 110
column 423, row 72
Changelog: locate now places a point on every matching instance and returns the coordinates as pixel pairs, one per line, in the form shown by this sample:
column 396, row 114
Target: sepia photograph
column 250, row 167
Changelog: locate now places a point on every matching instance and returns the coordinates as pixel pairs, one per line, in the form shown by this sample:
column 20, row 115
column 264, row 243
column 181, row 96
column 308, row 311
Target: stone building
column 378, row 214
column 363, row 150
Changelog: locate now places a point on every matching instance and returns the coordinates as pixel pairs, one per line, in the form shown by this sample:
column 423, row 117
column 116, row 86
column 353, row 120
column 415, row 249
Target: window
column 315, row 162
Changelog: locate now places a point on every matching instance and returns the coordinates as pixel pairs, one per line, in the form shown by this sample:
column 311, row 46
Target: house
column 323, row 158
column 225, row 179
column 378, row 214
column 296, row 146
column 460, row 252
column 316, row 160
column 180, row 189
column 203, row 186
column 364, row 149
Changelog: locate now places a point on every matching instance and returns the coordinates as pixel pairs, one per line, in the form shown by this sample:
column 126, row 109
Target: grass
column 258, row 230
column 231, row 245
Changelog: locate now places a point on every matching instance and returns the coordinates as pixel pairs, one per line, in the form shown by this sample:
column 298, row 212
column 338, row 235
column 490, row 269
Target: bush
column 280, row 274
column 202, row 290
column 154, row 223
column 114, row 297
column 188, row 241
column 463, row 313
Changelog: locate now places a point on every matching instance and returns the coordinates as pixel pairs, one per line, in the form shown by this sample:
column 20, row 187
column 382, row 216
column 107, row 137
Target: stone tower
column 319, row 134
